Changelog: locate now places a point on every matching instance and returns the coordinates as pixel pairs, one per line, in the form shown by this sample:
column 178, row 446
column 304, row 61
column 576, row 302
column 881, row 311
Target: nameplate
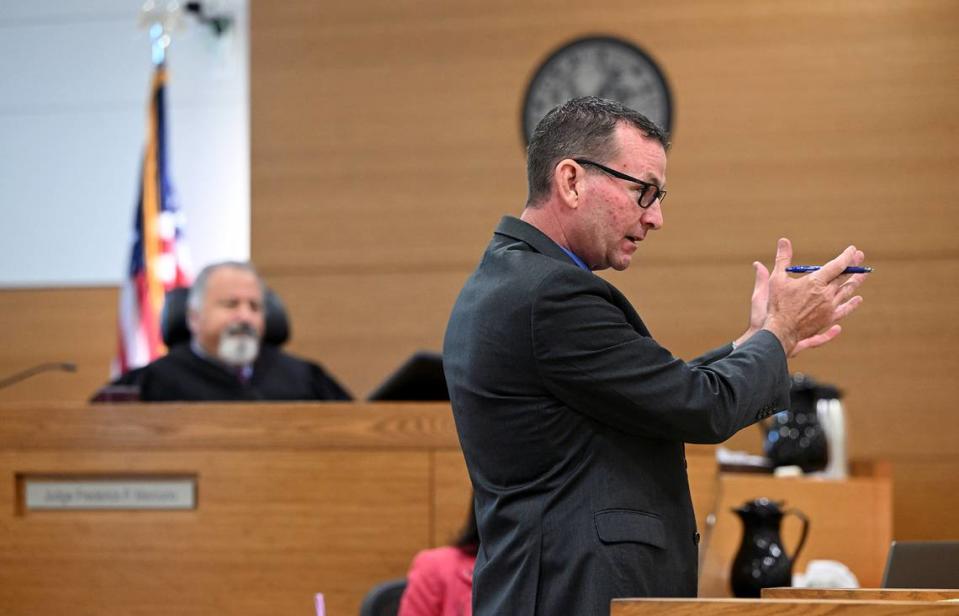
column 121, row 494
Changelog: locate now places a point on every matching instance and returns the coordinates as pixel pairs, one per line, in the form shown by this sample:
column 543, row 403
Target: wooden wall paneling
column 398, row 173
column 57, row 325
column 780, row 135
column 927, row 496
column 768, row 123
column 363, row 325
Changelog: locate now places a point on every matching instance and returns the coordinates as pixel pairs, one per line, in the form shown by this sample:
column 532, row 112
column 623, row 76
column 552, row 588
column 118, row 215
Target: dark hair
column 579, row 127
column 468, row 539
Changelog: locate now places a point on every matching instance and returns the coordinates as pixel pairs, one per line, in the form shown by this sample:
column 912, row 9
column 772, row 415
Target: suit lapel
column 517, row 229
column 523, row 231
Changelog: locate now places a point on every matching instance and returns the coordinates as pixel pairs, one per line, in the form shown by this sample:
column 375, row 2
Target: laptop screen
column 922, row 564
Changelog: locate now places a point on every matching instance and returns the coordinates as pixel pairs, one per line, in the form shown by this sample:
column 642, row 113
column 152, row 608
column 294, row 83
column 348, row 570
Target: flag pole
column 153, row 177
column 158, row 262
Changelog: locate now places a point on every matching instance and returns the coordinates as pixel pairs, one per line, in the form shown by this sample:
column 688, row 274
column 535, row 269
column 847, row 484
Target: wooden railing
column 863, row 594
column 778, row 607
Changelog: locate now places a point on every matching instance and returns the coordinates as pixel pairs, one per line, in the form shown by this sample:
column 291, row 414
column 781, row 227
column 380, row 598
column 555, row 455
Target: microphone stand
column 16, row 377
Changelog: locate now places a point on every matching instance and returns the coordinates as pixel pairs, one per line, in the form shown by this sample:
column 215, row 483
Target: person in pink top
column 440, row 580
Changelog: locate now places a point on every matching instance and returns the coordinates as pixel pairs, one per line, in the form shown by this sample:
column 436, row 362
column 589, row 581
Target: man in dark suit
column 226, row 358
column 571, row 417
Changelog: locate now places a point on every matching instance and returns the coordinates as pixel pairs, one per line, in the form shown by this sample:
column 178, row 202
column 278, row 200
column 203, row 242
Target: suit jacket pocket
column 629, row 526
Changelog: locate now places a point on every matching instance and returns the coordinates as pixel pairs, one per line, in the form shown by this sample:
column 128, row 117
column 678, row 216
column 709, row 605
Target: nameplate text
column 124, row 494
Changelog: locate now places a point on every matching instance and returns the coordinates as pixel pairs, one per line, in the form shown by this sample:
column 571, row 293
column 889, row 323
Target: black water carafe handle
column 805, row 531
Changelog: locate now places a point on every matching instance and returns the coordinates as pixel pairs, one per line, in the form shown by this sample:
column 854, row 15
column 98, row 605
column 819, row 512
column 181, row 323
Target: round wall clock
column 601, row 66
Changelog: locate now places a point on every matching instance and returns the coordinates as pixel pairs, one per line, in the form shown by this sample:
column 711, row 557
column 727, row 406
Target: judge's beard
column 239, row 345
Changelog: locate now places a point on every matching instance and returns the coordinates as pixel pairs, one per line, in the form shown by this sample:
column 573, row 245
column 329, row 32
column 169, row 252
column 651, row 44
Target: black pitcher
column 762, row 561
column 796, row 435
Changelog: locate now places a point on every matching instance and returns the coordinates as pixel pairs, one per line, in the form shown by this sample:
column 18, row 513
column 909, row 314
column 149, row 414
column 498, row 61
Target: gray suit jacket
column 572, row 420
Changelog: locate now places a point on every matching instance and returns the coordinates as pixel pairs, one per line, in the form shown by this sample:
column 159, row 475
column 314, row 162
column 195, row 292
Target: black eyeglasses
column 650, row 192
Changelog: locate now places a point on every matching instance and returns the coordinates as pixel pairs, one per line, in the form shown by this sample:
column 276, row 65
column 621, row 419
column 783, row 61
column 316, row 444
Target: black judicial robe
column 182, row 376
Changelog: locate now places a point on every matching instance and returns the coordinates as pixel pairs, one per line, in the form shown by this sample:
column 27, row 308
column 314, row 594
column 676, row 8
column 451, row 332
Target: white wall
column 74, row 81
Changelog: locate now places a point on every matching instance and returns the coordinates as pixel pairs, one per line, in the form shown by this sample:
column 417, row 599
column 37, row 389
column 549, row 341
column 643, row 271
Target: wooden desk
column 862, row 594
column 777, row 607
column 293, row 499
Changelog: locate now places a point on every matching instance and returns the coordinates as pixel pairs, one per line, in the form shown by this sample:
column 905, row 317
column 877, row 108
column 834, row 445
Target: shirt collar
column 579, row 262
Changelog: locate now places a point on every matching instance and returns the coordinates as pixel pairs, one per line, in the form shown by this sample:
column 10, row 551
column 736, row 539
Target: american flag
column 159, row 260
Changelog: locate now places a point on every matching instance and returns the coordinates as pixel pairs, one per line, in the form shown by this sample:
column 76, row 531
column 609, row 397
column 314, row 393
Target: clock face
column 598, row 66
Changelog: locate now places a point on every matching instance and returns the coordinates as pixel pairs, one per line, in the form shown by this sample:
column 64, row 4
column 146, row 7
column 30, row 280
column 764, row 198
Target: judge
column 225, row 358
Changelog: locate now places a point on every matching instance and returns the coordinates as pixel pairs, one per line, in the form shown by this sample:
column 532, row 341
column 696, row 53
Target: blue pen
column 805, row 269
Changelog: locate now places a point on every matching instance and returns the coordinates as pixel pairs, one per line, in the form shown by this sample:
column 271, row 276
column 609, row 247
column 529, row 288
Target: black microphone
column 63, row 366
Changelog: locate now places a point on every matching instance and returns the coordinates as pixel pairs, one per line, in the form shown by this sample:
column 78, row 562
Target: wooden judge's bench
column 271, row 503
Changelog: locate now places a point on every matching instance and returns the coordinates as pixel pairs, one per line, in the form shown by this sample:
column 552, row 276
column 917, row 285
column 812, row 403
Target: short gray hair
column 580, row 127
column 197, row 293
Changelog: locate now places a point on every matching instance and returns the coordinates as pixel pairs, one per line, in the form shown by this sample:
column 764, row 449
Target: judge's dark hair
column 581, row 127
column 468, row 539
column 198, row 289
